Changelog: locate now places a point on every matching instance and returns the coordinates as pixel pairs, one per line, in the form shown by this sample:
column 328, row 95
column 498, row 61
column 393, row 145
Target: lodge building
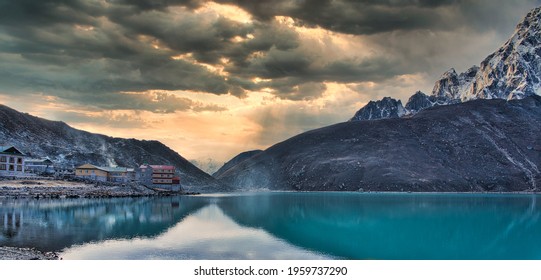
column 11, row 161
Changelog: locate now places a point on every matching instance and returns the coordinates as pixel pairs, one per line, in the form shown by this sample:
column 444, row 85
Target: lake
column 280, row 225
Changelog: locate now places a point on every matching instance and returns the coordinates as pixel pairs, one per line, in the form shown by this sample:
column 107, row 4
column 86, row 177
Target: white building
column 11, row 161
column 39, row 166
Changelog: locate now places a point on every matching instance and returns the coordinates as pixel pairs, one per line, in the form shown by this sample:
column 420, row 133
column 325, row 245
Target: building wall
column 158, row 177
column 163, row 176
column 11, row 165
column 145, row 176
column 118, row 177
column 162, row 181
column 39, row 168
column 91, row 174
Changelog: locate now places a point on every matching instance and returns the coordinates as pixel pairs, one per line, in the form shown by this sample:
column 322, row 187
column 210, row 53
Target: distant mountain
column 512, row 72
column 68, row 146
column 386, row 108
column 236, row 160
column 476, row 146
column 208, row 166
column 420, row 101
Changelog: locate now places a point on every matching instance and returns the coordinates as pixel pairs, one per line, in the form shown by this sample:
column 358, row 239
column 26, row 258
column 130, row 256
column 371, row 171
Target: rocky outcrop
column 420, row 101
column 386, row 108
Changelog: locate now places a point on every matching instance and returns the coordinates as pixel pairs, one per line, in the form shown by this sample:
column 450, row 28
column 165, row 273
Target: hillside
column 476, row 146
column 69, row 147
column 234, row 161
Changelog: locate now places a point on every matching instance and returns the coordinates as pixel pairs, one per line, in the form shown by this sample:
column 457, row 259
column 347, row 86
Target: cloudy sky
column 211, row 79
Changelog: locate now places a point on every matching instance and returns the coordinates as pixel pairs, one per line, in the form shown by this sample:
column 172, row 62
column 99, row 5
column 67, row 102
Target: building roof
column 10, row 150
column 37, row 160
column 166, row 167
column 87, row 166
column 114, row 169
column 106, row 169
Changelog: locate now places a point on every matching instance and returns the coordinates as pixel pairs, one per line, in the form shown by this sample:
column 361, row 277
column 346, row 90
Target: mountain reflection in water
column 280, row 226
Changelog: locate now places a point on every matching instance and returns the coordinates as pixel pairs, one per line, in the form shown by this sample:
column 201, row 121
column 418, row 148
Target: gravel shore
column 69, row 189
column 12, row 253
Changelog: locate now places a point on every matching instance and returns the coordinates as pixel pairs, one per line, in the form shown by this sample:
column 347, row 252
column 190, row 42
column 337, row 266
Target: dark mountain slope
column 236, row 160
column 481, row 145
column 67, row 146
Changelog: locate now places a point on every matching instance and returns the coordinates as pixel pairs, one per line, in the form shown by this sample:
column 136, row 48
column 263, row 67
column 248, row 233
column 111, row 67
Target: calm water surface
column 280, row 226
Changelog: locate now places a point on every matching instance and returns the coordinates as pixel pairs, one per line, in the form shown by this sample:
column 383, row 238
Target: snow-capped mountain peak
column 511, row 72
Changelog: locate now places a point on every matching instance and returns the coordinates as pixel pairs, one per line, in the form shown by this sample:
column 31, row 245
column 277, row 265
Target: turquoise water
column 280, row 226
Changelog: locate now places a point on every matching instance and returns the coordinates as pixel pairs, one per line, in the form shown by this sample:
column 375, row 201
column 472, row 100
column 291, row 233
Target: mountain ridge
column 68, row 146
column 475, row 146
column 513, row 71
column 236, row 160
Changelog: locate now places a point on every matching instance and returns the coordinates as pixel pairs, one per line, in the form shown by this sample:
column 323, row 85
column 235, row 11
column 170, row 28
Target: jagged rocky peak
column 470, row 73
column 386, row 108
column 447, row 85
column 512, row 72
column 452, row 85
column 420, row 101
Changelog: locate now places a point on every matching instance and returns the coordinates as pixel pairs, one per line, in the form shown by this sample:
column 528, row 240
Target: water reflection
column 206, row 234
column 393, row 226
column 280, row 226
column 56, row 224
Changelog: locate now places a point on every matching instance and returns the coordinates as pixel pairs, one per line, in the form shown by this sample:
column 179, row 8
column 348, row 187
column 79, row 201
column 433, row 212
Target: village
column 16, row 165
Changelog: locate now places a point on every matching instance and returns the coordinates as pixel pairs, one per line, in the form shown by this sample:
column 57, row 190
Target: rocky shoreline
column 75, row 189
column 13, row 253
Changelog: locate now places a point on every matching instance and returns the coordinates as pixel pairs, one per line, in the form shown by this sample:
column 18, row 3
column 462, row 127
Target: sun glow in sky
column 211, row 79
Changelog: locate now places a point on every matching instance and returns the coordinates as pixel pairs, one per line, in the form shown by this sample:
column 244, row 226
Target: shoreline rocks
column 14, row 253
column 65, row 189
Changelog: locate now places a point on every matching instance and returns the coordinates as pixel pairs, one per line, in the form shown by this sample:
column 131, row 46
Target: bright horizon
column 214, row 79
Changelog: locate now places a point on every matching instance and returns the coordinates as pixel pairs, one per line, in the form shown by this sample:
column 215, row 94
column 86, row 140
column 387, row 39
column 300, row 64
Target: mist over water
column 270, row 225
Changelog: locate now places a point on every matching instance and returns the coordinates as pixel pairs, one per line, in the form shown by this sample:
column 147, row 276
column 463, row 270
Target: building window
column 2, row 167
column 11, row 168
column 11, row 160
column 19, row 168
column 3, row 159
column 19, row 160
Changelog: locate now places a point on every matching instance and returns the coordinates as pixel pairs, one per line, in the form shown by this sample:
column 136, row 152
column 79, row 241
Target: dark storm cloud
column 80, row 52
column 157, row 4
column 184, row 32
column 374, row 16
column 92, row 51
